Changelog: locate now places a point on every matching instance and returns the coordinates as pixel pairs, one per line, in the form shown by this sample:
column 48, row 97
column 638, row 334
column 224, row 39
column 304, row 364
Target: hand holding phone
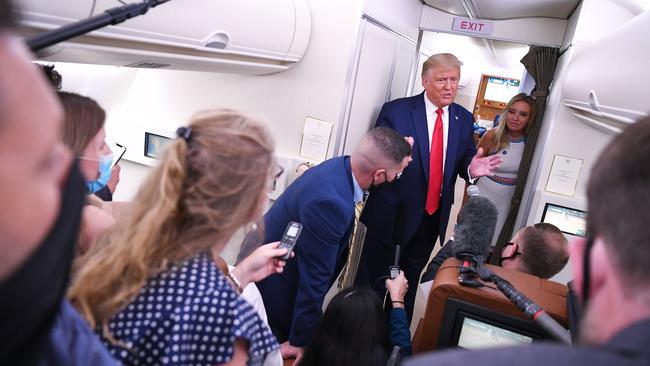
column 119, row 150
column 397, row 288
column 290, row 238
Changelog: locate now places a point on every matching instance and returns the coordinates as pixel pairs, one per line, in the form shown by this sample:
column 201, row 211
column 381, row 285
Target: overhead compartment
column 606, row 83
column 253, row 37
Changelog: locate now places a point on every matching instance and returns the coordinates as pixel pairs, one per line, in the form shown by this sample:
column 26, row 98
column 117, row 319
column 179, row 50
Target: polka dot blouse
column 188, row 315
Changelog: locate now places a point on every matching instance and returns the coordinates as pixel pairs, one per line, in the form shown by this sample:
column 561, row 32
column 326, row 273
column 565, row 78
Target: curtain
column 540, row 62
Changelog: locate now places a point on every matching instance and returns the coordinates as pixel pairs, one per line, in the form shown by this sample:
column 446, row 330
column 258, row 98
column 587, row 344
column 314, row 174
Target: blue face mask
column 105, row 162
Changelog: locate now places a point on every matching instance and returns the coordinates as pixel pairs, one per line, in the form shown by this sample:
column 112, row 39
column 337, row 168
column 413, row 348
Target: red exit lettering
column 475, row 26
column 465, row 25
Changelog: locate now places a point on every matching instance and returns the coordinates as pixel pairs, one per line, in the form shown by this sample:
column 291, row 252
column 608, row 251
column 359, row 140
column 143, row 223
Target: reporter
column 351, row 332
column 540, row 250
column 399, row 324
column 353, row 328
column 85, row 135
column 82, row 128
column 150, row 286
column 41, row 191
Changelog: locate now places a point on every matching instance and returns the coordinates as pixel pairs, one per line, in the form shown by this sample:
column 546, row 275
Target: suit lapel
column 452, row 144
column 419, row 119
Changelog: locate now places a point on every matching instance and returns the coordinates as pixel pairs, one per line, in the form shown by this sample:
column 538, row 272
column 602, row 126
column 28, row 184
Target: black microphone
column 394, row 269
column 400, row 223
column 473, row 235
column 109, row 17
column 398, row 237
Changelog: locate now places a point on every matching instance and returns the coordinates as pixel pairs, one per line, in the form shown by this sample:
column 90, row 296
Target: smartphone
column 290, row 238
column 118, row 150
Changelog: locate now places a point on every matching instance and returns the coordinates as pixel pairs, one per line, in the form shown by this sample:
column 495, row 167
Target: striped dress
column 500, row 187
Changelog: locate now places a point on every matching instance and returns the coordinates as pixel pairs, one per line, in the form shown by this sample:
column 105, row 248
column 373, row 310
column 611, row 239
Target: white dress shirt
column 431, row 109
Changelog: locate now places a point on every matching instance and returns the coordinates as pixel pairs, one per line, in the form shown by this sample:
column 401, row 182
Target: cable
column 92, row 8
column 383, row 303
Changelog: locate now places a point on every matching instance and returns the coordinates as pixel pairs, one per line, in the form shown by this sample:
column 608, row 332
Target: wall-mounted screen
column 501, row 89
column 154, row 145
column 568, row 220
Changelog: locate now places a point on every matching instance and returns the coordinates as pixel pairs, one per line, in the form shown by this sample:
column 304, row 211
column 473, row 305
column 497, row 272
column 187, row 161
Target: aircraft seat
column 551, row 296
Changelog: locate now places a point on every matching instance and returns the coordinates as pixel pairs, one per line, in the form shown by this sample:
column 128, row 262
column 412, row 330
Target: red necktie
column 435, row 166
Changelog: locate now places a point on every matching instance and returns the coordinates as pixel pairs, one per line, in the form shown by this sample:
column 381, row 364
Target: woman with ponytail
column 150, row 286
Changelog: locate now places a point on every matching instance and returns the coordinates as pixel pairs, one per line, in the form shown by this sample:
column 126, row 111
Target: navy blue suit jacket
column 322, row 200
column 408, row 117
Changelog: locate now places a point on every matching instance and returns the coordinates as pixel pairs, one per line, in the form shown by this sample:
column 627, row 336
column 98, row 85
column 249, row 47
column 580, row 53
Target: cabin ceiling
column 506, row 9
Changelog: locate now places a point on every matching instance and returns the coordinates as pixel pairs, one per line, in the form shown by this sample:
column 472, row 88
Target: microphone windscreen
column 473, row 235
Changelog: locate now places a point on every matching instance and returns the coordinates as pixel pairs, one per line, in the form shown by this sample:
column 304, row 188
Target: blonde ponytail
column 205, row 188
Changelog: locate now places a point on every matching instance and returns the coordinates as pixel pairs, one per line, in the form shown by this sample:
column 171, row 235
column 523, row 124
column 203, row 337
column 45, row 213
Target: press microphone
column 109, row 17
column 472, row 191
column 398, row 237
column 394, row 269
column 473, row 235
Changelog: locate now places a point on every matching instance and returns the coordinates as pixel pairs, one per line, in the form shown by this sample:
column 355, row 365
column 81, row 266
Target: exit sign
column 472, row 26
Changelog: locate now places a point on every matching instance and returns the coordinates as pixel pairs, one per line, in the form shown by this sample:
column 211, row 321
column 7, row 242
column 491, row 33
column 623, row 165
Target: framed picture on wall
column 154, row 145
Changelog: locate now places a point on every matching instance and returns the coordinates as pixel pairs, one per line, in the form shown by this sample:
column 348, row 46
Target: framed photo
column 154, row 145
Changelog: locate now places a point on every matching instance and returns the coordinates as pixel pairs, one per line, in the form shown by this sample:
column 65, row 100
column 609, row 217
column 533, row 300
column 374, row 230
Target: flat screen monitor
column 568, row 220
column 501, row 89
column 471, row 326
column 154, row 145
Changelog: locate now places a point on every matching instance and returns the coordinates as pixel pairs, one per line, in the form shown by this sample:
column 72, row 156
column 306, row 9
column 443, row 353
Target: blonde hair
column 446, row 60
column 501, row 136
column 206, row 187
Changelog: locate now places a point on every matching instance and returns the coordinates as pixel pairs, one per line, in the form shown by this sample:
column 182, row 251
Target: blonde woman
column 150, row 286
column 506, row 140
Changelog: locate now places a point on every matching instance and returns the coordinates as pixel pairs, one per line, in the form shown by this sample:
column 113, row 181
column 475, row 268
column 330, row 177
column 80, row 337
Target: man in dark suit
column 611, row 270
column 443, row 149
column 323, row 200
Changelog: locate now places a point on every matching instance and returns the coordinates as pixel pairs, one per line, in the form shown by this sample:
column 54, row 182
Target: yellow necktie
column 349, row 272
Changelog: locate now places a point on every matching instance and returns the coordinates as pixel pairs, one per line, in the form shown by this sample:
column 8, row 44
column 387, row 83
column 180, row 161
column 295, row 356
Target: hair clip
column 184, row 132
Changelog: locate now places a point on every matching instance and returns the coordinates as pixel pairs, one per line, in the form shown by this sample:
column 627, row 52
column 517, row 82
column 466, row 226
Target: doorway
column 479, row 57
